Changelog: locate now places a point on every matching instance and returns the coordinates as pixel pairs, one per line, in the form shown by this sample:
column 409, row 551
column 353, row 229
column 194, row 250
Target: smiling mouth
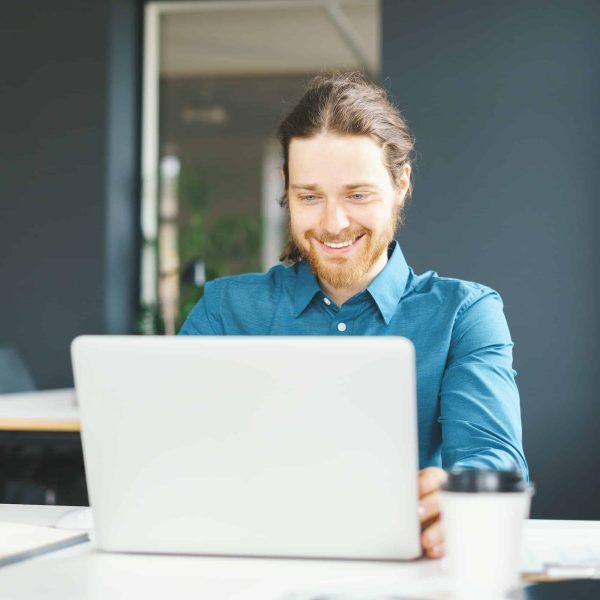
column 337, row 245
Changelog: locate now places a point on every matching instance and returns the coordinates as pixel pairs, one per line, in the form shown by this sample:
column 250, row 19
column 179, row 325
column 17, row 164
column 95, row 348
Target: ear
column 282, row 175
column 403, row 183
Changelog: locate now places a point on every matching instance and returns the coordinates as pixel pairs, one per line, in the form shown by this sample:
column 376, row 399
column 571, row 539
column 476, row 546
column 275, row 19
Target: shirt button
column 327, row 301
column 341, row 326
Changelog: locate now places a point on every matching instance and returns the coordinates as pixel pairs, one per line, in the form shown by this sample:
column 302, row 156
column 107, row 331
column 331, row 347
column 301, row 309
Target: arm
column 479, row 401
column 479, row 406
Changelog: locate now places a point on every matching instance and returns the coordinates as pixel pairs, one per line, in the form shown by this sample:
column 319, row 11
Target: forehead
column 329, row 159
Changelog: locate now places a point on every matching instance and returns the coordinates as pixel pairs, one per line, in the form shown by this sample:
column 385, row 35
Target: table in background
column 41, row 460
column 43, row 411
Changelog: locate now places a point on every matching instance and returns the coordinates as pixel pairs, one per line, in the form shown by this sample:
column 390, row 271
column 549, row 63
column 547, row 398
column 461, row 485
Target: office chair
column 14, row 374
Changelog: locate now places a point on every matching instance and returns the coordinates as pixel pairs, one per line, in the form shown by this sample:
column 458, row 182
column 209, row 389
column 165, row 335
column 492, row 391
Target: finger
column 432, row 538
column 430, row 479
column 429, row 507
column 437, row 551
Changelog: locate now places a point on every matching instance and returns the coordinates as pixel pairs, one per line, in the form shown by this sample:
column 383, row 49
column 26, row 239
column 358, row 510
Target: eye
column 359, row 196
column 309, row 197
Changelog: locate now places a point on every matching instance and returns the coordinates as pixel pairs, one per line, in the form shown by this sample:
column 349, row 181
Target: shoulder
column 231, row 305
column 249, row 296
column 468, row 315
column 474, row 312
column 450, row 292
column 249, row 284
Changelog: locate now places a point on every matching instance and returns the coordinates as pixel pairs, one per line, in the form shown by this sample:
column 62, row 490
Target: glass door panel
column 218, row 78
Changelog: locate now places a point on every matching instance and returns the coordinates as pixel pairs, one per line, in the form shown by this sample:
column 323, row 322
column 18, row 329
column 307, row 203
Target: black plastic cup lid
column 485, row 481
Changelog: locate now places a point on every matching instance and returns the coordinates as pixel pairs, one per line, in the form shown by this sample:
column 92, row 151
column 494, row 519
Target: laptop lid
column 262, row 446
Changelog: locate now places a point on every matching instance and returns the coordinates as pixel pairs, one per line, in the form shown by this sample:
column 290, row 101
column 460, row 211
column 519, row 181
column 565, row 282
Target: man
column 347, row 171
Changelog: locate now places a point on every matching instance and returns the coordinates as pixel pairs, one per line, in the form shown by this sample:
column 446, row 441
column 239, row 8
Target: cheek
column 371, row 217
column 302, row 220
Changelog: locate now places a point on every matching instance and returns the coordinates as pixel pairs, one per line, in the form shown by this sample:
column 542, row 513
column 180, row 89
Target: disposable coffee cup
column 482, row 519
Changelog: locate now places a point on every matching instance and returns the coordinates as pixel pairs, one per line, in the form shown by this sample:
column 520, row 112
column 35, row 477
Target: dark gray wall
column 504, row 98
column 69, row 122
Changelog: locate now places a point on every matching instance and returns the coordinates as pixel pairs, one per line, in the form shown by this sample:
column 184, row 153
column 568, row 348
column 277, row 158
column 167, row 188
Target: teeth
column 340, row 245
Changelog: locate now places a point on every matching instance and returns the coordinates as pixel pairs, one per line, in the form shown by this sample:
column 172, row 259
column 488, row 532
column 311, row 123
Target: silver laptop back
column 262, row 446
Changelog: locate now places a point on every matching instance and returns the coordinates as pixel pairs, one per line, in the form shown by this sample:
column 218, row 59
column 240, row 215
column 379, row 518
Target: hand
column 432, row 538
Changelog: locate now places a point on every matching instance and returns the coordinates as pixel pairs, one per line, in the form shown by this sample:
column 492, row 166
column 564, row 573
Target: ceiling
column 268, row 37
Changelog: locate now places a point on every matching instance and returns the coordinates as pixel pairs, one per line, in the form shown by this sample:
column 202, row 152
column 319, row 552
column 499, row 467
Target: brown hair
column 347, row 104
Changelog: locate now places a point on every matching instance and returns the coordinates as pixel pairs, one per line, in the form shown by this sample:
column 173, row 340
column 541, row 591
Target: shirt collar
column 306, row 287
column 389, row 286
column 386, row 289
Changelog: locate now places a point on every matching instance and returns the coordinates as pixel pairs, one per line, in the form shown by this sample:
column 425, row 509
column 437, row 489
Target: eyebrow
column 361, row 184
column 305, row 186
column 349, row 186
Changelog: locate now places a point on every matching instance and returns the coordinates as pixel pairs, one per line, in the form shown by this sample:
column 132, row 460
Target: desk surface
column 48, row 410
column 83, row 573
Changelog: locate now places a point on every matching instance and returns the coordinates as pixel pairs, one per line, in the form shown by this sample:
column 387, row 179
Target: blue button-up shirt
column 468, row 402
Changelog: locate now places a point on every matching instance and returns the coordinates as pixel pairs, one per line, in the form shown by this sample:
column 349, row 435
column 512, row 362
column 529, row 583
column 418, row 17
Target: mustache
column 346, row 236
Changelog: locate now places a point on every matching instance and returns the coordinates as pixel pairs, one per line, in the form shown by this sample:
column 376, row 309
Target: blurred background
column 138, row 161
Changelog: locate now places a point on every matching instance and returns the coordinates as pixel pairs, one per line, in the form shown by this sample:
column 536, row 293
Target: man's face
column 343, row 205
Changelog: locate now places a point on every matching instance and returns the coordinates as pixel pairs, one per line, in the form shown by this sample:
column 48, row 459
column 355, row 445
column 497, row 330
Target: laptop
column 251, row 446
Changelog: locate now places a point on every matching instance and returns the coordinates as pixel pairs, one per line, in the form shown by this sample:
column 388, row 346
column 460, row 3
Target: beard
column 342, row 271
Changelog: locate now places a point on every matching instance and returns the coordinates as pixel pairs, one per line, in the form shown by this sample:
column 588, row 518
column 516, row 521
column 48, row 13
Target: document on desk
column 563, row 550
column 20, row 541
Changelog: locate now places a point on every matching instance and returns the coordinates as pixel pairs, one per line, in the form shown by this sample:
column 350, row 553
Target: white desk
column 83, row 573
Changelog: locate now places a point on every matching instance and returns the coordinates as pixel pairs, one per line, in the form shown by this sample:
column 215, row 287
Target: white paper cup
column 482, row 522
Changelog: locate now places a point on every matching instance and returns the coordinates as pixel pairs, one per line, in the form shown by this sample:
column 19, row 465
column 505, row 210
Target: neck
column 341, row 295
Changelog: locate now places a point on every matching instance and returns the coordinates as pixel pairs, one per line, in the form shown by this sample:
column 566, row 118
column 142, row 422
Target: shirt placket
column 343, row 321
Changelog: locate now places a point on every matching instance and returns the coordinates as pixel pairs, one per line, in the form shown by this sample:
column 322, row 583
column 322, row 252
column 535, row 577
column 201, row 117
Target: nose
column 335, row 218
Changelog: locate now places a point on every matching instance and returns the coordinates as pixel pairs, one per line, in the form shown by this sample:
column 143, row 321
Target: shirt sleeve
column 480, row 412
column 203, row 320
